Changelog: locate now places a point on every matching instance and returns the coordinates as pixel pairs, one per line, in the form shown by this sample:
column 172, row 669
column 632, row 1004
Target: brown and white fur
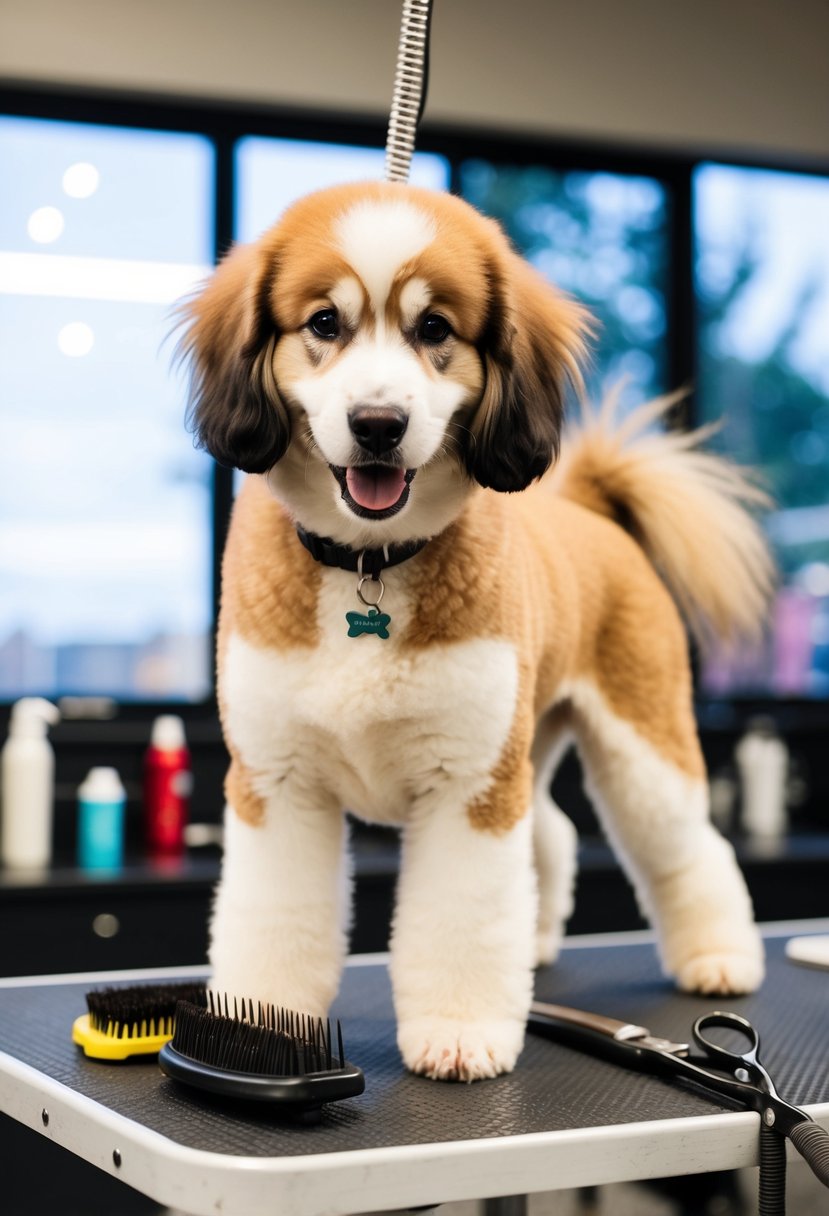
column 528, row 621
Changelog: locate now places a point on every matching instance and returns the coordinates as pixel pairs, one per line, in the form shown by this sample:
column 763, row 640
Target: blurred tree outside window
column 603, row 238
column 762, row 289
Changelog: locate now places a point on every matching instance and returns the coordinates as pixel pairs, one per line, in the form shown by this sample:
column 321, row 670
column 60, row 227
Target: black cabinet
column 63, row 921
column 153, row 916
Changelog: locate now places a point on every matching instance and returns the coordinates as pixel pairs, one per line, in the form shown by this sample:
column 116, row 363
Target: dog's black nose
column 378, row 428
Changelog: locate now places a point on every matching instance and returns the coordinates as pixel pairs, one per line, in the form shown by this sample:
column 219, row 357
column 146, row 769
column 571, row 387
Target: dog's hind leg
column 655, row 811
column 555, row 840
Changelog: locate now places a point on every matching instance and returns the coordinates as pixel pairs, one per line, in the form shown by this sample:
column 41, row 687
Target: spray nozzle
column 31, row 716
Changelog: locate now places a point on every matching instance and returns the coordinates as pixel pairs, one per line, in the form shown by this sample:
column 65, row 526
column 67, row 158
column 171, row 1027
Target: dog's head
column 376, row 353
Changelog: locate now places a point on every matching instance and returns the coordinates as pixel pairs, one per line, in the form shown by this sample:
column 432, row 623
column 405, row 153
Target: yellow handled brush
column 132, row 1021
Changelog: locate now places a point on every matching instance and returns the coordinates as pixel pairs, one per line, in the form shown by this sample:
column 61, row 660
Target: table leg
column 506, row 1205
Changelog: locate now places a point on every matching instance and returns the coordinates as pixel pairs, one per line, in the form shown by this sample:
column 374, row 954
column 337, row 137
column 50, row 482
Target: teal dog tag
column 368, row 622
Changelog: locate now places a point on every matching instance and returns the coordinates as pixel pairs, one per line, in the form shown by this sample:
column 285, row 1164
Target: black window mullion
column 224, row 219
column 681, row 311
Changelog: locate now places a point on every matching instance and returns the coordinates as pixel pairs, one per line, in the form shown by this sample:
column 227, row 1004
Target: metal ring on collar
column 367, row 578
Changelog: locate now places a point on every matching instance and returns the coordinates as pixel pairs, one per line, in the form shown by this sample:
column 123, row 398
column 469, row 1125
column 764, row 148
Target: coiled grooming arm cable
column 410, row 84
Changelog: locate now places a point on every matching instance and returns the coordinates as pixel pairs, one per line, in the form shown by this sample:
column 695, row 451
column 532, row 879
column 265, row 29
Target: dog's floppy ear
column 235, row 409
column 533, row 345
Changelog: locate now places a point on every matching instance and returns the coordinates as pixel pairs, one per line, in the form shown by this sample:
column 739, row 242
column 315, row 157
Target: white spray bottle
column 28, row 782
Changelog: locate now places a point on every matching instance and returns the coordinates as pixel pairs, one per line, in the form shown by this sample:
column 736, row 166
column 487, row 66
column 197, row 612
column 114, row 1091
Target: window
column 604, row 238
column 762, row 286
column 105, row 508
column 273, row 173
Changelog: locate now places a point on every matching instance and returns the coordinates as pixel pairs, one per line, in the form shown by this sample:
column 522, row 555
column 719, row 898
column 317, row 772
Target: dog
column 392, row 376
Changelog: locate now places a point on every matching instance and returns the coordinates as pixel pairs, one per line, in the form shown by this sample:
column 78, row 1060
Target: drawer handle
column 106, row 925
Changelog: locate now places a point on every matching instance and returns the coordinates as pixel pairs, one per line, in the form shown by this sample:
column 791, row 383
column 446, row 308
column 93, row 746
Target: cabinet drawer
column 93, row 931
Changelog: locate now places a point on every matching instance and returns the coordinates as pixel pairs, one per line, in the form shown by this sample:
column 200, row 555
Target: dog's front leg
column 280, row 921
column 462, row 943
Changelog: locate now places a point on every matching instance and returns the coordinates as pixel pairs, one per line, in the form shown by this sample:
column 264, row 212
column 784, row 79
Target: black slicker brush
column 266, row 1054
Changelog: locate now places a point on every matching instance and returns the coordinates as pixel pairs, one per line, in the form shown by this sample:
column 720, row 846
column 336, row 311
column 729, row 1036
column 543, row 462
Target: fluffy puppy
column 392, row 374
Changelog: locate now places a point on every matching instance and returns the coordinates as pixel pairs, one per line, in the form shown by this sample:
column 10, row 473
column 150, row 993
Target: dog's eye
column 434, row 328
column 325, row 324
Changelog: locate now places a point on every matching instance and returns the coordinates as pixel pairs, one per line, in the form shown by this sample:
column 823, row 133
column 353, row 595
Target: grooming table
column 561, row 1119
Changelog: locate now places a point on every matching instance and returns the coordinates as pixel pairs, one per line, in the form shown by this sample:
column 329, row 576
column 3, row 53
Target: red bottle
column 168, row 781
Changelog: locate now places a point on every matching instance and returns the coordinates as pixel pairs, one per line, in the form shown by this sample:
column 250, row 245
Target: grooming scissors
column 738, row 1076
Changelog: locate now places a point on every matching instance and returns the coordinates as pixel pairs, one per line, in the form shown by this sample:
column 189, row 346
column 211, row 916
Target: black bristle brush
column 265, row 1054
column 132, row 1021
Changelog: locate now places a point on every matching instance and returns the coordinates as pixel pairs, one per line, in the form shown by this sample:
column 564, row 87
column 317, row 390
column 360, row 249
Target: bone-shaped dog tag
column 368, row 622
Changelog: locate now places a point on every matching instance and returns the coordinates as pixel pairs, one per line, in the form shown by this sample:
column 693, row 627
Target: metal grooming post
column 409, row 96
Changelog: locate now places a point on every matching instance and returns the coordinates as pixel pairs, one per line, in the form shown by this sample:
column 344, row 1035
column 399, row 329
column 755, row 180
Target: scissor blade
column 579, row 1023
column 598, row 1022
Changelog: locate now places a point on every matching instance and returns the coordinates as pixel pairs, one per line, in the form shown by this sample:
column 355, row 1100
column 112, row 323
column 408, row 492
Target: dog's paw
column 449, row 1050
column 725, row 973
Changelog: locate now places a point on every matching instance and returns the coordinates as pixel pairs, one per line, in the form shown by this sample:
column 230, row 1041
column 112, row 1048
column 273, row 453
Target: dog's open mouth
column 374, row 491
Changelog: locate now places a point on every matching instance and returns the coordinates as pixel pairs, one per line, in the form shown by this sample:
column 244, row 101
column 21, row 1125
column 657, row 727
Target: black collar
column 327, row 551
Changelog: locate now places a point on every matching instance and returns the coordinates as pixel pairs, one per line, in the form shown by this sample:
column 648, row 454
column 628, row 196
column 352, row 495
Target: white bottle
column 28, row 785
column 763, row 763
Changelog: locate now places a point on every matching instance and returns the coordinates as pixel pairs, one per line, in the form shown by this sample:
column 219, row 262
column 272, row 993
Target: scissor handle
column 728, row 1021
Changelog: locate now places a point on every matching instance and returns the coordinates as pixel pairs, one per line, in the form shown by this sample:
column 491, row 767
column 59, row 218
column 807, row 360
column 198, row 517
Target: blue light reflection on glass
column 105, row 520
column 273, row 173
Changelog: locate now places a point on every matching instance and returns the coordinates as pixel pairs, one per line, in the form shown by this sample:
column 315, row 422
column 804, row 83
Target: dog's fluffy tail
column 687, row 508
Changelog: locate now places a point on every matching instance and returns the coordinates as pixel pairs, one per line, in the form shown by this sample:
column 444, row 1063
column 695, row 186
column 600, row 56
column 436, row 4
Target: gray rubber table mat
column 552, row 1088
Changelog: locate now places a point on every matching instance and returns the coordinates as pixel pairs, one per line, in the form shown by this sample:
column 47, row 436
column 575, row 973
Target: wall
column 726, row 74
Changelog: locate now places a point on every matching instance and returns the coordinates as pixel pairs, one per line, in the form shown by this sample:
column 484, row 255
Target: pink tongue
column 375, row 489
